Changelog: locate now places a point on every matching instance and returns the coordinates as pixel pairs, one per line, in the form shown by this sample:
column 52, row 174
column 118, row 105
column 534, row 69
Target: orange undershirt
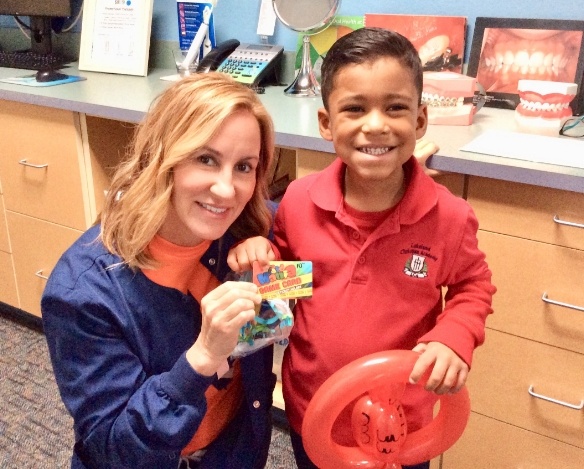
column 181, row 269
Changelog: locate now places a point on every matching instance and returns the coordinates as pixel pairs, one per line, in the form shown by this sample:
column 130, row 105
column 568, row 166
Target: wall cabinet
column 527, row 385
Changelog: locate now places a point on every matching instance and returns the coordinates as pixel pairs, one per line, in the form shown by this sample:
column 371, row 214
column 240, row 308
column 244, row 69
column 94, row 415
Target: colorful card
column 284, row 279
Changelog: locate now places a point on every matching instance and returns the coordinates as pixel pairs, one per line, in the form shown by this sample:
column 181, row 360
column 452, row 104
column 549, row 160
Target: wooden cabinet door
column 42, row 165
column 523, row 272
column 528, row 211
column 4, row 240
column 8, row 292
column 506, row 367
column 491, row 444
column 37, row 246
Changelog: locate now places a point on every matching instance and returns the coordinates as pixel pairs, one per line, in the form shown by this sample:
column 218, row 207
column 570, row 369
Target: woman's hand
column 224, row 311
column 257, row 249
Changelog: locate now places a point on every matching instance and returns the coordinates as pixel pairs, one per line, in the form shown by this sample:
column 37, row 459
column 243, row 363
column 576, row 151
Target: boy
column 383, row 237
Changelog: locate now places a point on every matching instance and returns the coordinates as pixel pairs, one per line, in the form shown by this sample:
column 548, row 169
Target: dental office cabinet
column 59, row 148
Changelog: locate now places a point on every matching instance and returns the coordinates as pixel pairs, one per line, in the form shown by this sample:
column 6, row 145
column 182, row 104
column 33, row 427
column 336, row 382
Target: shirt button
column 356, row 235
column 361, row 260
column 212, row 261
column 256, row 404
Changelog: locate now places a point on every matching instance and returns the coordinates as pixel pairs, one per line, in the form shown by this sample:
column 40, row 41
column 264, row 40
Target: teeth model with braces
column 544, row 105
column 449, row 97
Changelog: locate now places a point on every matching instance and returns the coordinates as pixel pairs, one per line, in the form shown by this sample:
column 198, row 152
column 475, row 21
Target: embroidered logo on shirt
column 416, row 266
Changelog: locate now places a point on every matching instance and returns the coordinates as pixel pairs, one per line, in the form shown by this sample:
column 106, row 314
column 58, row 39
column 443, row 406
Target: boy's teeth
column 375, row 151
column 212, row 209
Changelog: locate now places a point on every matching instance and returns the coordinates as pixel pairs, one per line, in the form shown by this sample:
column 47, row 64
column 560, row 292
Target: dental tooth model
column 544, row 105
column 449, row 97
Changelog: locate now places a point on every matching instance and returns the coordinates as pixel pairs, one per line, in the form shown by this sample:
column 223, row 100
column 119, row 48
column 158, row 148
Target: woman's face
column 213, row 185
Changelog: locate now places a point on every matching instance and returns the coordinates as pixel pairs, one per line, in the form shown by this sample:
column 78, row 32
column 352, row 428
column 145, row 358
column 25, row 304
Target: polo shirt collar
column 420, row 196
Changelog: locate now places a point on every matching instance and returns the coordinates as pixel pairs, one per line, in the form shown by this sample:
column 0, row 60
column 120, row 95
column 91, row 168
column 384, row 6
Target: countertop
column 127, row 98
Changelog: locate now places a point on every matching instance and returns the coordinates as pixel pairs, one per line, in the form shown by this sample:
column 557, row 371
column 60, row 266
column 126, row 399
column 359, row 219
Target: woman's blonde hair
column 139, row 196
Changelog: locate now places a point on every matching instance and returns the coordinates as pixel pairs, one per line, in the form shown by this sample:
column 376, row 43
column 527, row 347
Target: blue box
column 190, row 18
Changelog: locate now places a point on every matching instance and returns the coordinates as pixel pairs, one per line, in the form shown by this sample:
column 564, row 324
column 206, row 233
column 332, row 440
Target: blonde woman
column 138, row 318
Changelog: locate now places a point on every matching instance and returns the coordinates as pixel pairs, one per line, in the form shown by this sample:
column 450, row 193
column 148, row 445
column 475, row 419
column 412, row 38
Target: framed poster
column 506, row 50
column 439, row 40
column 115, row 36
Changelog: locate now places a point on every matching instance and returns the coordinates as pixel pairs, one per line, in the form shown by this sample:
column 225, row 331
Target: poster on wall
column 506, row 50
column 115, row 36
column 439, row 40
column 190, row 17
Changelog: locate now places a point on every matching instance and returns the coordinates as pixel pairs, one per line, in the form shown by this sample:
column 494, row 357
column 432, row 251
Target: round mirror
column 308, row 17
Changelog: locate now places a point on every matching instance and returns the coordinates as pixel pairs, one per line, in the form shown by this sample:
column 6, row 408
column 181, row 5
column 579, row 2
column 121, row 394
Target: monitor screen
column 35, row 7
column 41, row 13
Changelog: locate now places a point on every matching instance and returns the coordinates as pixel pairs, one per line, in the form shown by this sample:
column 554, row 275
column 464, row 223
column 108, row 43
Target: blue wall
column 239, row 18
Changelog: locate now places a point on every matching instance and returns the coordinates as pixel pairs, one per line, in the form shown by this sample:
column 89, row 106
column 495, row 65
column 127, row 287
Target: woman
column 138, row 320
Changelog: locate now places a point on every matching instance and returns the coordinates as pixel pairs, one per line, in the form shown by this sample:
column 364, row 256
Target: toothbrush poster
column 190, row 18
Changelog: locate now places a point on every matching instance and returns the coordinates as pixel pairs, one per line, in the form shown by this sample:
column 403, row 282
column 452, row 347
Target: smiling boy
column 385, row 240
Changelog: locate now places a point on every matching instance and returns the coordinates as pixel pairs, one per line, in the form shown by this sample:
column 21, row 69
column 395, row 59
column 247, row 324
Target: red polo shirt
column 382, row 291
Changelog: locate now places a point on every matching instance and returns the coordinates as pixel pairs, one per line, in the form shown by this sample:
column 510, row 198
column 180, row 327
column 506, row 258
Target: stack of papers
column 563, row 151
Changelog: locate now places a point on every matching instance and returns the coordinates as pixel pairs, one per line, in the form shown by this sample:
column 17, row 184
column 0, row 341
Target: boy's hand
column 424, row 149
column 257, row 249
column 449, row 371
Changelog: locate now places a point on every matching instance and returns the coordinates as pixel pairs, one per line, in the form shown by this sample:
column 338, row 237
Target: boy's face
column 374, row 118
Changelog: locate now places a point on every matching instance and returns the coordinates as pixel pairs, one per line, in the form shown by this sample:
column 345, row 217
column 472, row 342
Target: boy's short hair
column 367, row 45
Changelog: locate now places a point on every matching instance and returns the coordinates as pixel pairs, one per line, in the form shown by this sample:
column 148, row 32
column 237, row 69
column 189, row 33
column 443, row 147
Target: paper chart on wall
column 115, row 36
column 529, row 147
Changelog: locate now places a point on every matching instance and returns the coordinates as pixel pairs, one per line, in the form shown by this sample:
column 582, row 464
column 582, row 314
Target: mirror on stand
column 307, row 17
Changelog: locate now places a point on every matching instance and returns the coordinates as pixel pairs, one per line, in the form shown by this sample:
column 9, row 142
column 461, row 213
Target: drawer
column 49, row 139
column 4, row 240
column 506, row 366
column 490, row 444
column 37, row 246
column 8, row 292
column 528, row 211
column 523, row 271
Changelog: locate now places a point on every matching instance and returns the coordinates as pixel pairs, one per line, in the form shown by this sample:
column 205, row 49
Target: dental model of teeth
column 544, row 105
column 449, row 97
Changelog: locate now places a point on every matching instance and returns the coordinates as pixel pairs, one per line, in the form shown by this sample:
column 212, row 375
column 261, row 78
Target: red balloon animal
column 378, row 421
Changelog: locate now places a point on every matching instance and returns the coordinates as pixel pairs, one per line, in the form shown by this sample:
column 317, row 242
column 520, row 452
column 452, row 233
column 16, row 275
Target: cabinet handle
column 39, row 273
column 30, row 165
column 545, row 298
column 555, row 401
column 559, row 221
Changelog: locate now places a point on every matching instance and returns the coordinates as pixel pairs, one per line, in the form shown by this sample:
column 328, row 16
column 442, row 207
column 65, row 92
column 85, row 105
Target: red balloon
column 378, row 421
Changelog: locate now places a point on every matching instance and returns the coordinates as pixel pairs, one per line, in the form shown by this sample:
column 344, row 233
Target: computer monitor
column 41, row 13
